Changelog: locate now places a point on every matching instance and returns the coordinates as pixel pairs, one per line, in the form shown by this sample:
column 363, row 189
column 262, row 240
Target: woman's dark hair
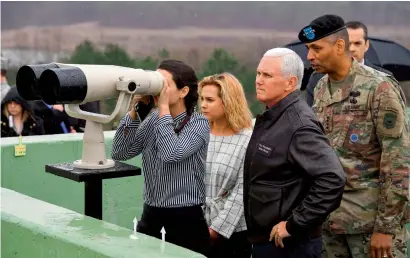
column 183, row 75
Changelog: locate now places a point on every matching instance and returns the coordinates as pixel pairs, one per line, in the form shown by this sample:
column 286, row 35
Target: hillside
column 282, row 16
column 187, row 29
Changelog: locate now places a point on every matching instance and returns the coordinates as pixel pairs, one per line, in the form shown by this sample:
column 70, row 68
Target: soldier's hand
column 381, row 245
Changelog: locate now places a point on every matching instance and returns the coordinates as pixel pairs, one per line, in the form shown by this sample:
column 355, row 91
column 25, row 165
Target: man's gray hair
column 292, row 64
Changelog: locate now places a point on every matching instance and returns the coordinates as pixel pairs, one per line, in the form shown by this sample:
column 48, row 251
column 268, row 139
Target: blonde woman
column 223, row 103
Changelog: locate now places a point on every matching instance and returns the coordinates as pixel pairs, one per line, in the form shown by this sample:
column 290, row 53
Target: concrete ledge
column 122, row 197
column 69, row 137
column 33, row 228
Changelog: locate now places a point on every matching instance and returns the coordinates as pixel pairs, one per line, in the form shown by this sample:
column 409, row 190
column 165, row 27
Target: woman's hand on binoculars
column 163, row 100
column 139, row 98
column 58, row 107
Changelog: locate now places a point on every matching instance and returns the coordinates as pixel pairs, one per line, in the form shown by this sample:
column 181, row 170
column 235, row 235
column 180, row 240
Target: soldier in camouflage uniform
column 364, row 117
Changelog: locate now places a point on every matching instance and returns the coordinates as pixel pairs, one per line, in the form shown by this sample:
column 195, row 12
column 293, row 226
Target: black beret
column 321, row 27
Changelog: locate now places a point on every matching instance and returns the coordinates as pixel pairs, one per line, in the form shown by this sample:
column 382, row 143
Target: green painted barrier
column 33, row 228
column 122, row 197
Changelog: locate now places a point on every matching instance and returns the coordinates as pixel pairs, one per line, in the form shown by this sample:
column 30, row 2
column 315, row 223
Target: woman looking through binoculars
column 173, row 140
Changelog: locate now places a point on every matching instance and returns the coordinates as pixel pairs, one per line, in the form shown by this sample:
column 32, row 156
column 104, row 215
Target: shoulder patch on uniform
column 389, row 120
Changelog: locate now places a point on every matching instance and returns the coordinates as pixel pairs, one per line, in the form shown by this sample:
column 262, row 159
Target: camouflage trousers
column 358, row 246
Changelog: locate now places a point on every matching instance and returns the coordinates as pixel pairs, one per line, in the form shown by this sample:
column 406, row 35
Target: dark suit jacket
column 315, row 77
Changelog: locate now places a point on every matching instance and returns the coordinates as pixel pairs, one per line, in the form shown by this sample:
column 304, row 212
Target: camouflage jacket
column 368, row 128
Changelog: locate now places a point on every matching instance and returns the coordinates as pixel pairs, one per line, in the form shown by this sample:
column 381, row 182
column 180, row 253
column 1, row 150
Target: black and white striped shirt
column 173, row 165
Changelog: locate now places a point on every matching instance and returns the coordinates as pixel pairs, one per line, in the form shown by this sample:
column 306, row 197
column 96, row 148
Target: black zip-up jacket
column 32, row 126
column 291, row 173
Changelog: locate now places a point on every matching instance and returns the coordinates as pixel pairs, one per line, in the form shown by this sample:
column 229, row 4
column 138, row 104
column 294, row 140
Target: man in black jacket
column 359, row 44
column 292, row 177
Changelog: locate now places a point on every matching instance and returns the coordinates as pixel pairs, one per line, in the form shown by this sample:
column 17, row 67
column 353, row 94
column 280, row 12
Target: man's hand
column 214, row 235
column 278, row 233
column 381, row 245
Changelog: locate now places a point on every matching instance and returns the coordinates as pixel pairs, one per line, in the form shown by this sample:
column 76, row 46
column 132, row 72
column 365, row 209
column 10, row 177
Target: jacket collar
column 180, row 117
column 272, row 114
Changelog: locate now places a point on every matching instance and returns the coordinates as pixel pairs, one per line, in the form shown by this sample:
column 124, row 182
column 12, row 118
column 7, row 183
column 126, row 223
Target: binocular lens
column 27, row 80
column 63, row 86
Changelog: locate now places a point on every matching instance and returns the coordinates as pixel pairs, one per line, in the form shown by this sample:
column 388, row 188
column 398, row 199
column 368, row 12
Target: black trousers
column 185, row 227
column 237, row 246
column 307, row 248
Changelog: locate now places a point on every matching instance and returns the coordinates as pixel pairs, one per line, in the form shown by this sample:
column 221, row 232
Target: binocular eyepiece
column 57, row 83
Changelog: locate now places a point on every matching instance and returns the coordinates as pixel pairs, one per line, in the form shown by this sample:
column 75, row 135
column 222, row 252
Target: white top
column 224, row 209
